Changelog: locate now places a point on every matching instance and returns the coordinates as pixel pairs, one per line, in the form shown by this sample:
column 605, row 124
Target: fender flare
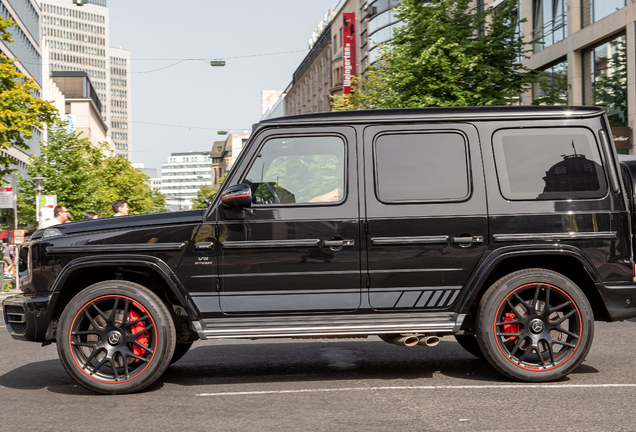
column 155, row 264
column 477, row 280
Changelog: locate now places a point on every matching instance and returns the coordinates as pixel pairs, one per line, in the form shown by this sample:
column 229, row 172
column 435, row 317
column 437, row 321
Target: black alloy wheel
column 116, row 337
column 535, row 325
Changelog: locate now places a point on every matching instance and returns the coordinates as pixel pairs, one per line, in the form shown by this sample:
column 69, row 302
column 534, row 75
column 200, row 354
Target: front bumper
column 26, row 317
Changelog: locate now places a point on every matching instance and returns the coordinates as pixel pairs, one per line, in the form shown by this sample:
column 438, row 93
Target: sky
column 193, row 97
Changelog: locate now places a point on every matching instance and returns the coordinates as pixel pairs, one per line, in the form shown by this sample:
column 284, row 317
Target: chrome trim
column 270, row 244
column 329, row 331
column 100, row 248
column 601, row 235
column 414, row 270
column 409, row 240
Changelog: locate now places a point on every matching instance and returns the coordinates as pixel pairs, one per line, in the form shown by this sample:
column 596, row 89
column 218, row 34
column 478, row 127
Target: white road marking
column 467, row 387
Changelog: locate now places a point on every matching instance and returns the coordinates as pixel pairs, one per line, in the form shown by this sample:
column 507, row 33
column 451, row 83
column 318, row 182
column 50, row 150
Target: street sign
column 47, row 205
column 6, row 197
column 16, row 236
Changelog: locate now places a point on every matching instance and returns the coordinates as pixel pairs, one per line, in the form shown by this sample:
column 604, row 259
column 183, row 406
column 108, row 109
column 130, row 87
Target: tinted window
column 299, row 170
column 548, row 164
column 416, row 167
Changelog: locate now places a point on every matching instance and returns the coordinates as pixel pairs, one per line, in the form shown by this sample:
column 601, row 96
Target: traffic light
column 80, row 2
column 217, row 63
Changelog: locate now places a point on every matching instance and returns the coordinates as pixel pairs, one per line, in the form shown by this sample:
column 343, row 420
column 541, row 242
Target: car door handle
column 474, row 239
column 204, row 246
column 337, row 243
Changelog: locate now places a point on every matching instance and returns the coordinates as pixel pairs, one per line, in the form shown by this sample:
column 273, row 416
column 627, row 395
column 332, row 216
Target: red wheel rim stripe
column 135, row 302
column 532, row 368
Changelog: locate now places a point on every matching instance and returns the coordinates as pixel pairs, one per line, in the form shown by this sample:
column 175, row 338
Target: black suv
column 509, row 228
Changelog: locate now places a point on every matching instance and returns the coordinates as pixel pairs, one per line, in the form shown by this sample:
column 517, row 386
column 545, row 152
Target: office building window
column 605, row 79
column 549, row 23
column 552, row 87
column 596, row 10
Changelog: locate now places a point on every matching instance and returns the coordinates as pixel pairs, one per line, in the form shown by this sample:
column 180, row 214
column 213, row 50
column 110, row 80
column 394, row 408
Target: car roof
column 436, row 114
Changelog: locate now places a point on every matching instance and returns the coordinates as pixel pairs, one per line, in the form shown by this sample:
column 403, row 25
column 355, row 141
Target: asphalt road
column 326, row 385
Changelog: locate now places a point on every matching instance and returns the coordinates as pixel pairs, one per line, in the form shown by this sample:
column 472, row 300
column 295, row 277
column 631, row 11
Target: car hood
column 142, row 220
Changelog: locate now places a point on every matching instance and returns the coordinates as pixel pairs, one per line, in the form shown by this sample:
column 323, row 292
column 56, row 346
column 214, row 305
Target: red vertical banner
column 348, row 50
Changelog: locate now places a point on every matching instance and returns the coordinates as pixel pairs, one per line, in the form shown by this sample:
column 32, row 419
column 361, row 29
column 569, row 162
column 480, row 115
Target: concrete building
column 182, row 176
column 27, row 51
column 77, row 39
column 82, row 107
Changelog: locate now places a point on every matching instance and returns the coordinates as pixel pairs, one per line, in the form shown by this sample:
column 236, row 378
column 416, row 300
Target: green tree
column 119, row 180
column 610, row 87
column 447, row 53
column 20, row 110
column 204, row 192
column 553, row 87
column 69, row 164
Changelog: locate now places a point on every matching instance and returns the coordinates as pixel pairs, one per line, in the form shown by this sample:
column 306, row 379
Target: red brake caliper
column 510, row 328
column 143, row 338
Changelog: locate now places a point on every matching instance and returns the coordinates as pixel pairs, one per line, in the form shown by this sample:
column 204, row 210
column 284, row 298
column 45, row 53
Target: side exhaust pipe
column 429, row 341
column 400, row 340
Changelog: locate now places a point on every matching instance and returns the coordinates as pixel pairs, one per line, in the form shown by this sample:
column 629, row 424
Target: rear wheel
column 535, row 325
column 116, row 337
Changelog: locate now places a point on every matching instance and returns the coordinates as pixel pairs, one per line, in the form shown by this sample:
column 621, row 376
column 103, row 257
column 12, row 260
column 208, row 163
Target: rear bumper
column 26, row 317
column 620, row 300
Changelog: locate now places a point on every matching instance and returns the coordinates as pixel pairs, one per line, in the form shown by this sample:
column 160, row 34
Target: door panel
column 426, row 214
column 298, row 249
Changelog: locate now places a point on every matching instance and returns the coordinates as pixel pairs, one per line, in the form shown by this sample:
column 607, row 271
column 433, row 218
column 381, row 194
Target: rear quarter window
column 548, row 164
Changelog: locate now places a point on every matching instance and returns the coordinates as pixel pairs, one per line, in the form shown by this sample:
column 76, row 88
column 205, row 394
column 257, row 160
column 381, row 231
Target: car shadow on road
column 280, row 362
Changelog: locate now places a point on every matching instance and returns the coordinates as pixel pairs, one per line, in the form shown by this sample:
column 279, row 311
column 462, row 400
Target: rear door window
column 548, row 164
column 421, row 167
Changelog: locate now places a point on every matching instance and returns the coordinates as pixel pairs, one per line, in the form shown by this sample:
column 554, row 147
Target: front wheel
column 535, row 325
column 115, row 337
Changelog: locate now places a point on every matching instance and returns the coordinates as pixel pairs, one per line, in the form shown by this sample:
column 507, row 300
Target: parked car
column 509, row 228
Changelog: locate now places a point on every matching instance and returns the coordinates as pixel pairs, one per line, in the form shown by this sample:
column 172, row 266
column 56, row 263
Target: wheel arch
column 148, row 271
column 566, row 260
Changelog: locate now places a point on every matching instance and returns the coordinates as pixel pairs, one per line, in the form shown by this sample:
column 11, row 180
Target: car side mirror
column 237, row 197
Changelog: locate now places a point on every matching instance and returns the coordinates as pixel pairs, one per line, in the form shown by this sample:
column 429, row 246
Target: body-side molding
column 270, row 244
column 409, row 240
column 602, row 235
column 103, row 248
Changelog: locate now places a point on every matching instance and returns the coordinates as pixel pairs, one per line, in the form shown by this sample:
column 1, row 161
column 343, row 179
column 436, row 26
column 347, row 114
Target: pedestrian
column 60, row 215
column 90, row 215
column 8, row 258
column 120, row 207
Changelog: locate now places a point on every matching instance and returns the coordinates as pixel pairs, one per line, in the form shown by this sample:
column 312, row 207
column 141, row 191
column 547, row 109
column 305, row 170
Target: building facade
column 27, row 52
column 77, row 39
column 182, row 176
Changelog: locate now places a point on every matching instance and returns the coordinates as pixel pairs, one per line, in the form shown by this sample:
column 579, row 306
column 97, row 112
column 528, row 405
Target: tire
column 179, row 351
column 470, row 344
column 115, row 337
column 535, row 325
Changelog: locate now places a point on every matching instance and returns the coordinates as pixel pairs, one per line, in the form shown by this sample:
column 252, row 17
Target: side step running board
column 337, row 325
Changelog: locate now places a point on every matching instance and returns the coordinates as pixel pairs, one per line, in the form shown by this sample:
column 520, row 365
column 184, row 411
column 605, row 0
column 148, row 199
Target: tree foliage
column 447, row 53
column 20, row 110
column 85, row 178
column 610, row 87
column 204, row 192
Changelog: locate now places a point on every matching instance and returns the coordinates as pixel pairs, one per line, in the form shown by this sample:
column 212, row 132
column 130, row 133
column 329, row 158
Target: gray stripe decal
column 443, row 300
column 425, row 296
column 452, row 299
column 602, row 235
column 436, row 297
